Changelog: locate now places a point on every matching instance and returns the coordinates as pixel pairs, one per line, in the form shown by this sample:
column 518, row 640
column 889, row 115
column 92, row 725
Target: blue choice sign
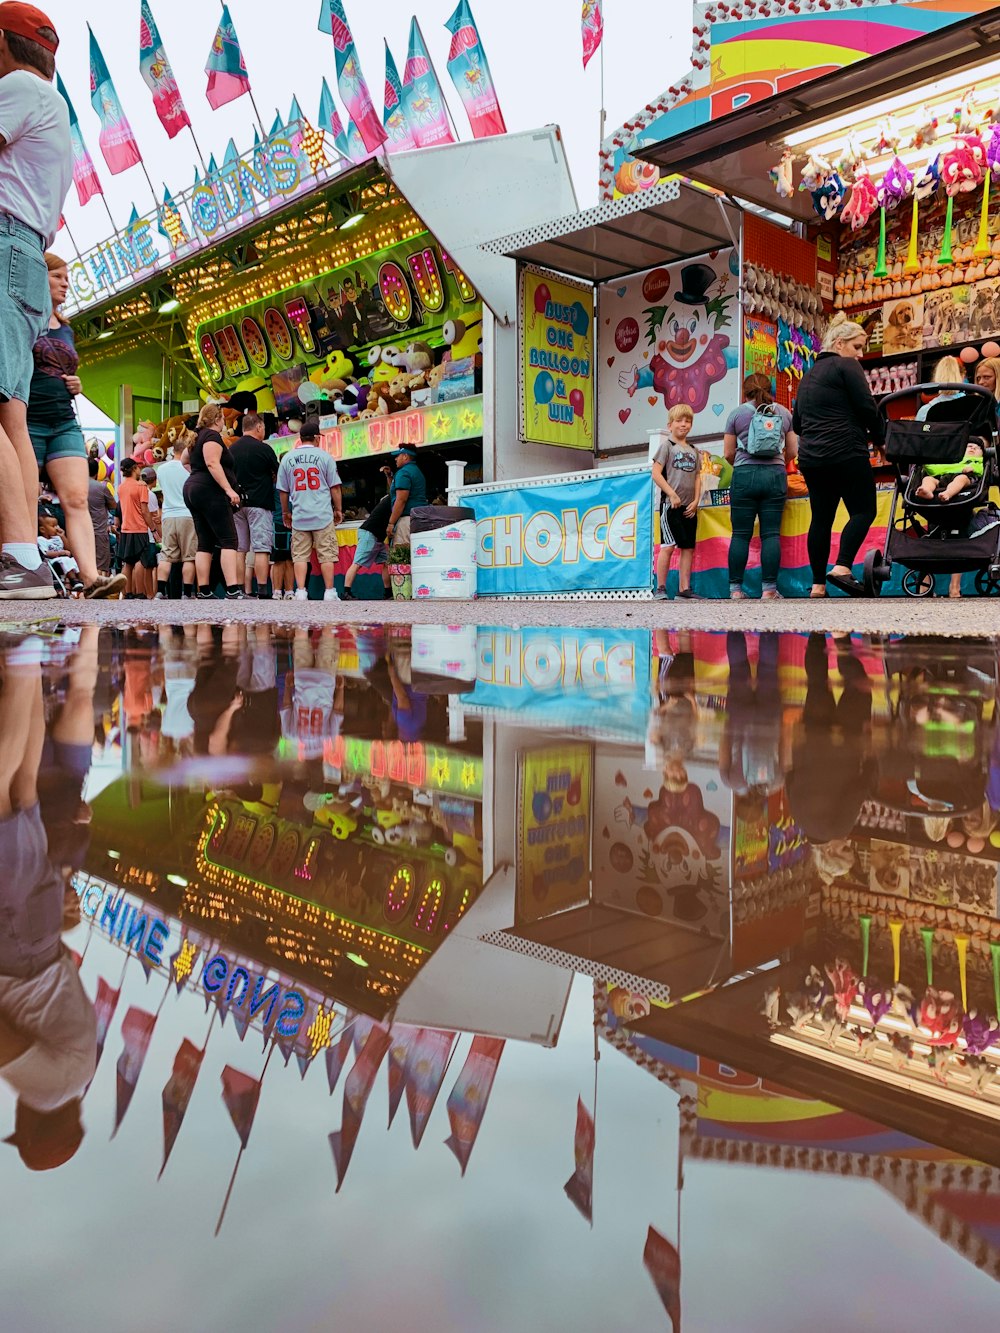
column 578, row 535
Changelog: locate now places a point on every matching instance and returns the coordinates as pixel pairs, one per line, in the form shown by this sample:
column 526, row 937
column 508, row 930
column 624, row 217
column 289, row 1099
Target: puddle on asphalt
column 464, row 979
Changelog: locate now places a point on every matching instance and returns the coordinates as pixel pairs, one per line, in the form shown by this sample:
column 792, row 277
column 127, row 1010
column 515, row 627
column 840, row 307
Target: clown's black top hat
column 695, row 282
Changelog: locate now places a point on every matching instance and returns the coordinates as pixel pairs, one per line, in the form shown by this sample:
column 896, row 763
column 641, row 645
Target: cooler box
column 443, row 552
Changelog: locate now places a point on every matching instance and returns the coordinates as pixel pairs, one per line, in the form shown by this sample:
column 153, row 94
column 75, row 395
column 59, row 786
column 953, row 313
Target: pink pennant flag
column 470, row 72
column 357, row 1089
column 663, row 1264
column 351, row 81
column 592, row 28
column 336, row 1057
column 177, row 1092
column 423, row 100
column 137, row 1029
column 580, row 1186
column 241, row 1093
column 226, row 68
column 425, row 1073
column 470, row 1096
column 403, row 1042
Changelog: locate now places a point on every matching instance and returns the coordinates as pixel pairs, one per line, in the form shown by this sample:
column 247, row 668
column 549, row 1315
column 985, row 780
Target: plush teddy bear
column 417, row 358
column 399, row 393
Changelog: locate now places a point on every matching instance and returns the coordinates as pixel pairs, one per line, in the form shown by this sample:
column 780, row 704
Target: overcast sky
column 534, row 51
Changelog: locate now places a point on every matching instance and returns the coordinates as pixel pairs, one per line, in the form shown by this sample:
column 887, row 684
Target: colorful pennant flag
column 177, row 1092
column 158, row 75
column 592, row 28
column 241, row 1093
column 351, row 81
column 117, row 140
column 423, row 99
column 356, row 149
column 329, row 116
column 85, row 176
column 580, row 1186
column 470, row 73
column 336, row 1057
column 137, row 1029
column 425, row 1073
column 663, row 1264
column 470, row 1096
column 226, row 68
column 357, row 1089
column 105, row 1004
column 403, row 1041
column 394, row 118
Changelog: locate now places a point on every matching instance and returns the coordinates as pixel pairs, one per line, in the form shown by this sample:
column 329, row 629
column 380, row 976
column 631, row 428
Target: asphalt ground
column 937, row 616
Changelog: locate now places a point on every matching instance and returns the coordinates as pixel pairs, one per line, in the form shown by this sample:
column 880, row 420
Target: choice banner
column 589, row 531
column 556, row 334
column 553, row 862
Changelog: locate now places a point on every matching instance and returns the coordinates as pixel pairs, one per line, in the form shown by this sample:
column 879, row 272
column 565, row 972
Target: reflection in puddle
column 259, row 880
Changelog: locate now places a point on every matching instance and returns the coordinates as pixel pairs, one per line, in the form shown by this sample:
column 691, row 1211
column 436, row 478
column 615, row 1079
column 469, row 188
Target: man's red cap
column 24, row 21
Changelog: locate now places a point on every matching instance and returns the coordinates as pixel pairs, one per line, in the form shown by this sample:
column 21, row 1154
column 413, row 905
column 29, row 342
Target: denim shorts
column 50, row 442
column 254, row 529
column 25, row 305
column 370, row 550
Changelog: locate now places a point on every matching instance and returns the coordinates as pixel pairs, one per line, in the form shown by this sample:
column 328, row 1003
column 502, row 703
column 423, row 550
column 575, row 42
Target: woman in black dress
column 211, row 495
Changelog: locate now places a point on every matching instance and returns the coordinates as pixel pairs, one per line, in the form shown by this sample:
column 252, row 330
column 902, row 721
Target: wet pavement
column 371, row 976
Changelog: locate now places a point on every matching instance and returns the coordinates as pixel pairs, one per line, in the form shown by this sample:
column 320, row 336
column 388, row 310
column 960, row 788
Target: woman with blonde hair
column 211, row 495
column 56, row 436
column 836, row 420
column 947, row 371
column 988, row 376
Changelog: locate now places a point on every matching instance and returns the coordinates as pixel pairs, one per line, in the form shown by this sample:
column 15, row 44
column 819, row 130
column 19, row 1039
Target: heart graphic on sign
column 713, row 254
column 718, row 409
column 645, row 356
column 622, row 291
column 607, row 321
column 611, row 361
column 624, row 414
column 652, row 400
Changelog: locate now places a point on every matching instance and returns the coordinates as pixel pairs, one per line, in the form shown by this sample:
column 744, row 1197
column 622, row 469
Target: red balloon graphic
column 577, row 402
column 542, row 297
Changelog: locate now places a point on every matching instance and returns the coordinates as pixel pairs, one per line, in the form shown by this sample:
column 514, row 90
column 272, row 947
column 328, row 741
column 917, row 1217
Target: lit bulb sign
column 403, row 294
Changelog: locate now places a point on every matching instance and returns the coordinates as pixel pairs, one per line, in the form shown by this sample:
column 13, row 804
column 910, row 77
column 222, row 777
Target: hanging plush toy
column 927, row 128
column 964, row 116
column 814, row 173
column 888, row 136
column 993, row 150
column 962, row 168
column 897, row 184
column 862, row 202
column 828, row 199
column 928, row 180
column 781, row 175
column 851, row 156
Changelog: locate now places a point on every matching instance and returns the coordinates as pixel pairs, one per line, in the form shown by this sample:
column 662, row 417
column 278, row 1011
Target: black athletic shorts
column 684, row 530
column 135, row 548
column 212, row 514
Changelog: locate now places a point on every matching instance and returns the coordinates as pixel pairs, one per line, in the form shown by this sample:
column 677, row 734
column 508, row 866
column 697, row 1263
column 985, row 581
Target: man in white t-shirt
column 36, row 168
column 179, row 542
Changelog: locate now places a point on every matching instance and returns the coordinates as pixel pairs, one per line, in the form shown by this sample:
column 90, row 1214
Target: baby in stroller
column 964, row 475
column 55, row 552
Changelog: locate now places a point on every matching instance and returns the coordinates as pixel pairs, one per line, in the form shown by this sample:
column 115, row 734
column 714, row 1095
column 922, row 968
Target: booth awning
column 670, row 222
column 735, row 152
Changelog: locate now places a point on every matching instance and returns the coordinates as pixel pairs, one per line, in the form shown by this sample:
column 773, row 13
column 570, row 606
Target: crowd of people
column 830, row 440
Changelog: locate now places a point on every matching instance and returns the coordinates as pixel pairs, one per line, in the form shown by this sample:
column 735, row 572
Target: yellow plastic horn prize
column 896, row 931
column 912, row 264
column 983, row 239
column 962, row 945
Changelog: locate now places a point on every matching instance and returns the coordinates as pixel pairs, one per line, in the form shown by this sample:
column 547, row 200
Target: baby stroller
column 928, row 536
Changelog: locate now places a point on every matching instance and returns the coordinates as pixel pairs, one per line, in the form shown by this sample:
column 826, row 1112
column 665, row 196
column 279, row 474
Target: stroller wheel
column 916, row 584
column 986, row 584
column 876, row 573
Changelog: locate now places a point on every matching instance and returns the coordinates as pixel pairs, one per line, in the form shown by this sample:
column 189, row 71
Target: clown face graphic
column 688, row 347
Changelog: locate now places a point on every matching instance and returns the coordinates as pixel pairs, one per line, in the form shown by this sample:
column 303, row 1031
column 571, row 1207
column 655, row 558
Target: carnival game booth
column 305, row 287
column 888, row 170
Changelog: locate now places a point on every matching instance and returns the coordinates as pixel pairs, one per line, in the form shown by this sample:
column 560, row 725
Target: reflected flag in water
column 241, row 1093
column 137, row 1029
column 357, row 1089
column 663, row 1264
column 470, row 1096
column 425, row 1073
column 470, row 73
column 580, row 1186
column 403, row 1042
column 177, row 1093
column 336, row 1057
column 182, row 964
column 105, row 1004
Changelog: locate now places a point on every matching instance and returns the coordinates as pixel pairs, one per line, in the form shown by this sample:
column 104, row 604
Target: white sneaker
column 301, row 595
column 331, row 595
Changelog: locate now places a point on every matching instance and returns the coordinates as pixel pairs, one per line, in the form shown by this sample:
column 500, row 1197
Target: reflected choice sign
column 544, row 661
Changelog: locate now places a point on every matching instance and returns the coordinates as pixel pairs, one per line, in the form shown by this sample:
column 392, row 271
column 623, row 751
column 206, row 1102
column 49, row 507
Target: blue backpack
column 766, row 437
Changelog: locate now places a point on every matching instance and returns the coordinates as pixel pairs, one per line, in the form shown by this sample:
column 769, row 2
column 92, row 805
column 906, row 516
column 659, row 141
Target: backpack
column 766, row 436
